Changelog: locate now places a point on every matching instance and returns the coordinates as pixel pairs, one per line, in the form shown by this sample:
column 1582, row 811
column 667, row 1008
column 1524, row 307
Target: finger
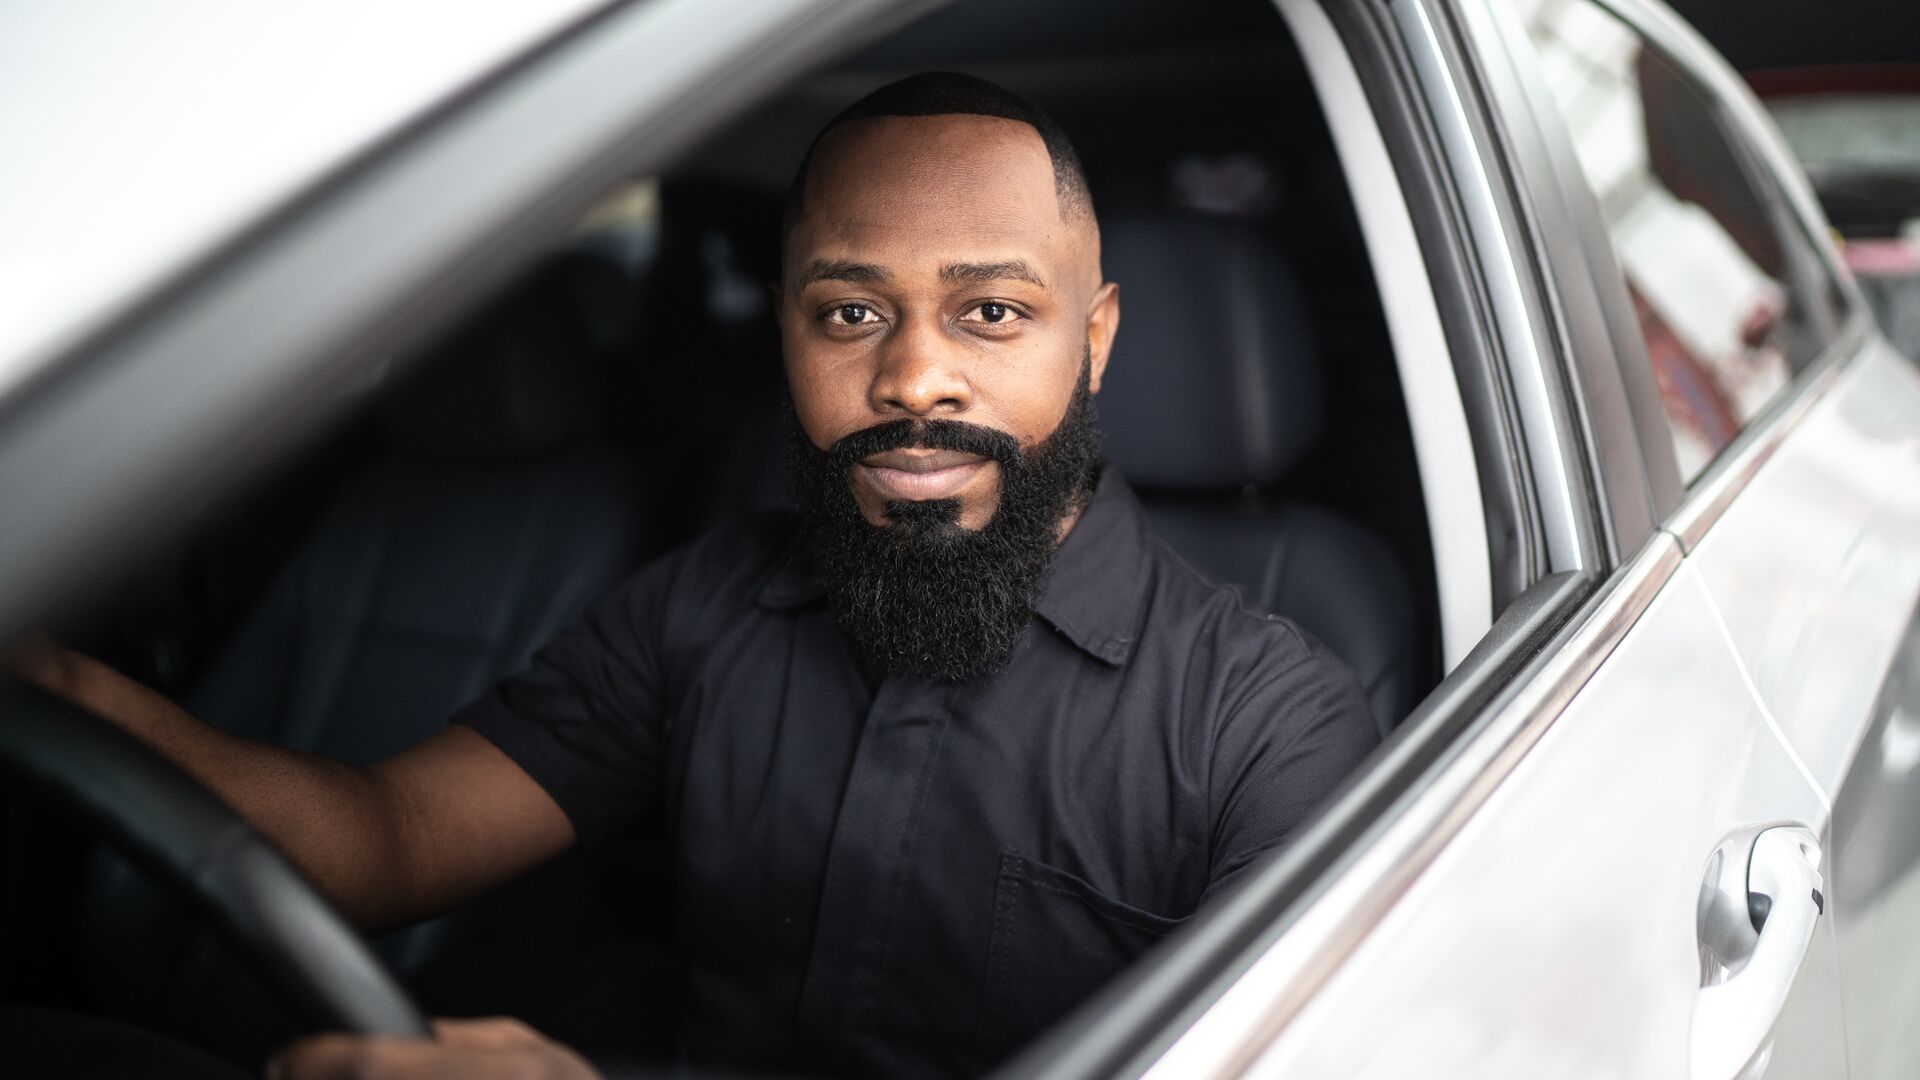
column 351, row 1057
column 487, row 1033
column 502, row 1039
column 346, row 1057
column 322, row 1057
column 508, row 1038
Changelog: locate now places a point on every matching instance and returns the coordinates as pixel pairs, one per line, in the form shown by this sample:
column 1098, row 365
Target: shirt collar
column 1097, row 583
column 1092, row 593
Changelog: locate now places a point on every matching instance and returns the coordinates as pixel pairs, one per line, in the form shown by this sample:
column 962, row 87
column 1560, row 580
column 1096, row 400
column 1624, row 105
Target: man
column 938, row 754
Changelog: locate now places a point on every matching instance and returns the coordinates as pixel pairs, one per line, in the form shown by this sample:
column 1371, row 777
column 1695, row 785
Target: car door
column 1806, row 536
column 1811, row 550
column 1621, row 871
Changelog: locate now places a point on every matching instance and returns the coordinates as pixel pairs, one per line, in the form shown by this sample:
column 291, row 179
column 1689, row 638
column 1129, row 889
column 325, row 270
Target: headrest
column 1214, row 381
column 520, row 378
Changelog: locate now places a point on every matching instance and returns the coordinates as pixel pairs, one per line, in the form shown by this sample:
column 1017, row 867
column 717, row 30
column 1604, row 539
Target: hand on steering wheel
column 196, row 846
column 190, row 841
column 498, row 1049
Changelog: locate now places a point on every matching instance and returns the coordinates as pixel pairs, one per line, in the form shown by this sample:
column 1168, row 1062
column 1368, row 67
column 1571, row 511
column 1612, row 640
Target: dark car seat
column 498, row 510
column 1212, row 394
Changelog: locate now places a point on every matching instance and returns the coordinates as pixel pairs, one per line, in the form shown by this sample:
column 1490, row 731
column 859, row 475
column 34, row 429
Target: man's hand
column 412, row 836
column 499, row 1049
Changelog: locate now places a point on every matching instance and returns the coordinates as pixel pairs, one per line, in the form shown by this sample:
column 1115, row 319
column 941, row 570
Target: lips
column 916, row 474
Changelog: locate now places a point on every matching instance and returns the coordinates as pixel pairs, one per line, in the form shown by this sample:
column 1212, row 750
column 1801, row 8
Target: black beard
column 921, row 596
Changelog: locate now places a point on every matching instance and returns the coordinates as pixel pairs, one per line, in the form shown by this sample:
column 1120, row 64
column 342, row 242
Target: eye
column 992, row 311
column 851, row 315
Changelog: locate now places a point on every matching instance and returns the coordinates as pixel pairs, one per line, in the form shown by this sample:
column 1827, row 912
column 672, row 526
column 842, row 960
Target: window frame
column 1512, row 339
column 1621, row 401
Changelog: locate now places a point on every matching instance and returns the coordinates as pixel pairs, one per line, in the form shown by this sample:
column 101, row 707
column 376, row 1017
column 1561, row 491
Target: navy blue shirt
column 883, row 876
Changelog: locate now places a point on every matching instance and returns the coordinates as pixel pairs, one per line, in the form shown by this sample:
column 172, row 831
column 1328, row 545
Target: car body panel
column 1816, row 563
column 1556, row 934
column 1816, row 567
column 1874, row 878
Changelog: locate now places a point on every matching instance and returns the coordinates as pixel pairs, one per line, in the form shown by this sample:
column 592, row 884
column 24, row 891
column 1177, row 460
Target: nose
column 920, row 374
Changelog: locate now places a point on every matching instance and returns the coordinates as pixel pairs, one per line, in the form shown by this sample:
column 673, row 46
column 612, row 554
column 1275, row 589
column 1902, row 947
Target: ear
column 1103, row 321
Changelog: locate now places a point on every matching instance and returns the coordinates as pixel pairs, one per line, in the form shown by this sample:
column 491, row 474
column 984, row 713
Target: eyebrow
column 980, row 273
column 858, row 273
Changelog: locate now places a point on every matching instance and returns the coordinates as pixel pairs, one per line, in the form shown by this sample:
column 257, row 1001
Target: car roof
column 140, row 138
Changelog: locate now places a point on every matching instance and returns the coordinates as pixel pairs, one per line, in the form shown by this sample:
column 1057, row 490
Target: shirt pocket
column 1055, row 940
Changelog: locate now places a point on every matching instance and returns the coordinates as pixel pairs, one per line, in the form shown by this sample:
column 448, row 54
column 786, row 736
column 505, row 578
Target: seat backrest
column 497, row 513
column 1213, row 393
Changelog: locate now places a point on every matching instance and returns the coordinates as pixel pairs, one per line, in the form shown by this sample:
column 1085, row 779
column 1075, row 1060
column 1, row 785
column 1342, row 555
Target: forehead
column 930, row 189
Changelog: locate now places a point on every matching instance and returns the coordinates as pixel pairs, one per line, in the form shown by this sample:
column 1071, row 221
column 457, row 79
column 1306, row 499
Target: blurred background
column 1843, row 82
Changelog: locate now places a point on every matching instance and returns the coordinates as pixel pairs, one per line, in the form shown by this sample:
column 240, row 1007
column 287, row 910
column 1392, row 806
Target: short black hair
column 949, row 93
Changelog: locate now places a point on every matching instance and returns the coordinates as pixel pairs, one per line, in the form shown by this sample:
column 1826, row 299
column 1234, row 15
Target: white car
column 1603, row 478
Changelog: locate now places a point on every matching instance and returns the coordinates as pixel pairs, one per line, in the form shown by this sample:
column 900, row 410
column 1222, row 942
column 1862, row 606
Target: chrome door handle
column 1757, row 916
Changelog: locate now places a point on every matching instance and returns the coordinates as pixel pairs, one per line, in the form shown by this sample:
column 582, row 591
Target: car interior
column 625, row 394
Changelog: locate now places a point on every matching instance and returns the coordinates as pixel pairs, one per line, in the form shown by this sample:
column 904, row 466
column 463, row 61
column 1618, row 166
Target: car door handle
column 1758, row 909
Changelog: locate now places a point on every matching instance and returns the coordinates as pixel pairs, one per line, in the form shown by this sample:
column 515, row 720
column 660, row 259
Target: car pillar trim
column 1500, row 238
column 1436, row 418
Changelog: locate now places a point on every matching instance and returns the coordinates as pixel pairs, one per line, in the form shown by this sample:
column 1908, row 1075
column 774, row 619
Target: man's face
column 932, row 275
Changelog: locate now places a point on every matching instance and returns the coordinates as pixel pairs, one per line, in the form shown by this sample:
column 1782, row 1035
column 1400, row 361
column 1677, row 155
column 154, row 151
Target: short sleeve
column 584, row 718
column 1300, row 725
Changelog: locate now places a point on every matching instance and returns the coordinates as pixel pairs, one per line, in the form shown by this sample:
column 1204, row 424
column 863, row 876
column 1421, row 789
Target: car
column 1846, row 96
column 347, row 351
column 1856, row 129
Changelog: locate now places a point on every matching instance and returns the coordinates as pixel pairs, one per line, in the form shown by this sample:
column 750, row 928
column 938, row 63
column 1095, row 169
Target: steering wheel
column 198, row 848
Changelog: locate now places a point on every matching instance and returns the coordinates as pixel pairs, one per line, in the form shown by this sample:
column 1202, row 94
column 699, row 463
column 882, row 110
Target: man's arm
column 409, row 837
column 1297, row 726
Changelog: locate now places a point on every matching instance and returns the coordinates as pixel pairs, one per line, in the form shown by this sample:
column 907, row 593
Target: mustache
column 955, row 435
